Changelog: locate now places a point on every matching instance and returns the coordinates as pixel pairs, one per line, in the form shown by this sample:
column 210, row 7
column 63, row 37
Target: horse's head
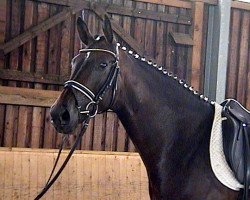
column 92, row 82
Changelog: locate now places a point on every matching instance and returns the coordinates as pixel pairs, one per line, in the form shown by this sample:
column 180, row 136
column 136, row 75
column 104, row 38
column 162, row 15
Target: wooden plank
column 10, row 119
column 147, row 14
column 72, row 181
column 25, row 96
column 8, row 176
column 9, row 126
column 150, row 33
column 116, row 192
column 182, row 38
column 2, row 174
column 123, row 177
column 87, row 163
column 99, row 133
column 65, row 53
column 240, row 5
column 49, row 136
column 170, row 47
column 58, row 184
column 160, row 39
column 139, row 32
column 110, row 179
column 132, row 12
column 110, row 129
column 15, row 75
column 102, row 177
column 121, row 138
column 94, row 178
column 76, row 38
column 181, row 65
column 232, row 69
column 87, row 139
column 25, row 176
column 34, row 31
column 174, row 3
column 64, row 180
column 41, row 171
column 16, row 176
column 197, row 48
column 180, row 3
column 243, row 58
column 3, row 29
column 80, row 176
column 23, row 135
column 40, row 65
column 48, row 159
column 33, row 180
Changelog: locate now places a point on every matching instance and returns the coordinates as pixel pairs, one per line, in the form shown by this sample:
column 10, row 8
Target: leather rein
column 90, row 110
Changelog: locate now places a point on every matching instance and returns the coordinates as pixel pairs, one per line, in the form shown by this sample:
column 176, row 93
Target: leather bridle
column 91, row 110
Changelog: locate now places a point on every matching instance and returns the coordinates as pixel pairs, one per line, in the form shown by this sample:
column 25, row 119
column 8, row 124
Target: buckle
column 92, row 108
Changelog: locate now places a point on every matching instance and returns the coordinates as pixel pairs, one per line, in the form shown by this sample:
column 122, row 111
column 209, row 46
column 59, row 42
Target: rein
column 94, row 101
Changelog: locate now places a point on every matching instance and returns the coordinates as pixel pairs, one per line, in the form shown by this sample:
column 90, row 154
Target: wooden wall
column 39, row 39
column 238, row 77
column 88, row 175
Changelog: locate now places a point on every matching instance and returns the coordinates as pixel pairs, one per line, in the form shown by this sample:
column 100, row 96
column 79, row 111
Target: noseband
column 91, row 108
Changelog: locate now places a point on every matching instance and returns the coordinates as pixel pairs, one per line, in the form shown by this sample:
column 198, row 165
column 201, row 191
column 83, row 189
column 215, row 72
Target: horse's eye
column 103, row 65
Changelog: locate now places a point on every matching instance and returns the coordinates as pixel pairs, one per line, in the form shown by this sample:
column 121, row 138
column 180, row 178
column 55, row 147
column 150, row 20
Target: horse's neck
column 157, row 112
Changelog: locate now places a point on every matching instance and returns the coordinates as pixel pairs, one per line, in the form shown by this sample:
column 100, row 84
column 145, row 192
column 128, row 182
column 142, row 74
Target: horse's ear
column 83, row 32
column 107, row 29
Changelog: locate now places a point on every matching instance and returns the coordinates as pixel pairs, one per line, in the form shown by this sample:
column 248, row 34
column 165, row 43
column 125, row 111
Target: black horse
column 168, row 122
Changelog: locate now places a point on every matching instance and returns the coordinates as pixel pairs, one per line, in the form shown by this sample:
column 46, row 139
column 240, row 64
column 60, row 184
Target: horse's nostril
column 65, row 117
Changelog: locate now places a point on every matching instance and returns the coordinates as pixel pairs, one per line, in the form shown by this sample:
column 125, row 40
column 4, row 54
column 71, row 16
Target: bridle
column 91, row 110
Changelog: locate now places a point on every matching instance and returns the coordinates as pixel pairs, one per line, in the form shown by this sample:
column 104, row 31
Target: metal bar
column 217, row 51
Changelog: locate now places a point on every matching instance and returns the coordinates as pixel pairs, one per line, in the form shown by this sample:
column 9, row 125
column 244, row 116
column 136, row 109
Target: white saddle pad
column 218, row 161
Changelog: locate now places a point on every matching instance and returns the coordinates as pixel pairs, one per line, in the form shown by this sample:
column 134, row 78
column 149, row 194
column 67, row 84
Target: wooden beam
column 240, row 5
column 146, row 14
column 127, row 11
column 172, row 3
column 68, row 3
column 44, row 26
column 34, row 31
column 41, row 151
column 27, row 97
column 179, row 3
column 182, row 38
column 196, row 72
column 14, row 75
column 210, row 2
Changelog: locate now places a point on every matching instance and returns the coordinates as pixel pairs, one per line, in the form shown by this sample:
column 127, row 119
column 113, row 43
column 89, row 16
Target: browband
column 99, row 50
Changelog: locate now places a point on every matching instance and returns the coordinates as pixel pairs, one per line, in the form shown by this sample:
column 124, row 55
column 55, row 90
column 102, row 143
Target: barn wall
column 88, row 175
column 238, row 77
column 42, row 62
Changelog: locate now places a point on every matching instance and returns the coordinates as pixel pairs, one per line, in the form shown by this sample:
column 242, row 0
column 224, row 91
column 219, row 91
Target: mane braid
column 165, row 72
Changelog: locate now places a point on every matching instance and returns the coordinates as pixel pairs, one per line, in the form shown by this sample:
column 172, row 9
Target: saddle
column 236, row 142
